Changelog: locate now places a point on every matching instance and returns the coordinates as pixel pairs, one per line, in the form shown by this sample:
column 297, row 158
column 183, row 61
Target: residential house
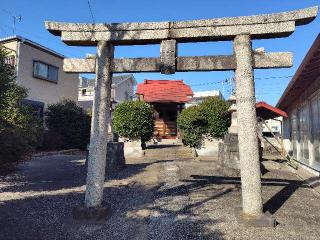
column 273, row 119
column 168, row 98
column 40, row 70
column 200, row 96
column 301, row 100
column 122, row 89
column 274, row 126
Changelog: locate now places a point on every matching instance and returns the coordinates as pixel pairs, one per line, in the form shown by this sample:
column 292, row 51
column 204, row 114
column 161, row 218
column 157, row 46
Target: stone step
column 165, row 142
column 166, row 151
column 169, row 152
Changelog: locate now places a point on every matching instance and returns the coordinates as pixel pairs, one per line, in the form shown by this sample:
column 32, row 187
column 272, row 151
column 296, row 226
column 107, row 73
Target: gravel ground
column 151, row 199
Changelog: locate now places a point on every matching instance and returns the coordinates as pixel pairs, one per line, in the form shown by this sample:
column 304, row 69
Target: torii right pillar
column 247, row 129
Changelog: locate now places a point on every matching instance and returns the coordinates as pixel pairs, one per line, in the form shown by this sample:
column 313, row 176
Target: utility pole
column 15, row 20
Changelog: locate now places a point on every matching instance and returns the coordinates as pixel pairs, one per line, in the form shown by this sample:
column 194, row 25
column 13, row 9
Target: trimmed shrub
column 134, row 120
column 215, row 111
column 192, row 125
column 66, row 120
column 208, row 119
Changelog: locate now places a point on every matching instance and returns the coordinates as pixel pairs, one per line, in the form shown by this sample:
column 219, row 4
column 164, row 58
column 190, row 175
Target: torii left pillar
column 101, row 117
column 247, row 128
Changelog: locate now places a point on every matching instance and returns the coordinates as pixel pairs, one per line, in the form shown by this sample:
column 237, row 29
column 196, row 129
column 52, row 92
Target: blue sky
column 269, row 83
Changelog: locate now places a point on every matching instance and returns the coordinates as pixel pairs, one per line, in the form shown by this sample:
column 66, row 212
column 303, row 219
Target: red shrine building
column 168, row 98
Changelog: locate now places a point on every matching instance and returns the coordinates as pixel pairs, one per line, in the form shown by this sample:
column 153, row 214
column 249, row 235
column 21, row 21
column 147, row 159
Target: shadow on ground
column 273, row 204
column 38, row 201
column 59, row 172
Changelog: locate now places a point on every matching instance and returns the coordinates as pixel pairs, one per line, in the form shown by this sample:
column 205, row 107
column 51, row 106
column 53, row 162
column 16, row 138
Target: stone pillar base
column 265, row 220
column 115, row 158
column 229, row 154
column 91, row 214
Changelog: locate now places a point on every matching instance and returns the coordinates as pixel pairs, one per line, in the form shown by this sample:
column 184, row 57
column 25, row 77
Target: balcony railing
column 11, row 60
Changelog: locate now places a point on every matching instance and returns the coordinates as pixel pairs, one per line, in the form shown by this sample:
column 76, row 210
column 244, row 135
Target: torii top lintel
column 258, row 26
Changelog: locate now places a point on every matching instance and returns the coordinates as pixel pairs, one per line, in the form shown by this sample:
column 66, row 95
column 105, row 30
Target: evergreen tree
column 20, row 131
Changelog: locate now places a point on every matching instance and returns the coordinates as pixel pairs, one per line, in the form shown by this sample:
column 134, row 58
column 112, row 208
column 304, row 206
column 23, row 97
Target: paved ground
column 151, row 199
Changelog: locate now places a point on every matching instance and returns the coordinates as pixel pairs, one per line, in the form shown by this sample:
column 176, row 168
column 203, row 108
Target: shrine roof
column 266, row 111
column 164, row 91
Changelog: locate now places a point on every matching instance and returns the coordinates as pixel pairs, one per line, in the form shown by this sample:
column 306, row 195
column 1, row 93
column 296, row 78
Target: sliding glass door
column 294, row 133
column 304, row 132
column 315, row 110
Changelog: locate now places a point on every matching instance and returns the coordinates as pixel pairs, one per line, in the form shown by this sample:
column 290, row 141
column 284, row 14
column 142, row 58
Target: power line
column 227, row 80
column 91, row 12
column 207, row 83
column 273, row 77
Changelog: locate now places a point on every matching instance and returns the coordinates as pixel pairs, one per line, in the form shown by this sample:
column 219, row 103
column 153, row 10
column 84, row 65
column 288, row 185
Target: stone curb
column 68, row 151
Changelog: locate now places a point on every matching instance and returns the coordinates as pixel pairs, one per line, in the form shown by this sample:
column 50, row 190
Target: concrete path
column 164, row 198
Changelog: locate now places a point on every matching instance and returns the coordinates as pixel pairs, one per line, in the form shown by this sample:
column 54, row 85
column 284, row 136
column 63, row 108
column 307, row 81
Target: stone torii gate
column 240, row 30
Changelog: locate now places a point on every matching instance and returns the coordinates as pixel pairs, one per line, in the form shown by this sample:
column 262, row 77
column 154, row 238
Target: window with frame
column 45, row 71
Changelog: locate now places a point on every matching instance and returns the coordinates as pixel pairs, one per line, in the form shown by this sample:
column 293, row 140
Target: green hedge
column 69, row 121
column 14, row 147
column 134, row 120
column 210, row 119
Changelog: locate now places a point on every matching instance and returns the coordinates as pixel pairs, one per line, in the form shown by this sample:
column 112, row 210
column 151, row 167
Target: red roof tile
column 164, row 91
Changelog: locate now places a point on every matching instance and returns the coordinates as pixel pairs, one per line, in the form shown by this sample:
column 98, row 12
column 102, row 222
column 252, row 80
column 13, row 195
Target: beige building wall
column 42, row 90
column 38, row 89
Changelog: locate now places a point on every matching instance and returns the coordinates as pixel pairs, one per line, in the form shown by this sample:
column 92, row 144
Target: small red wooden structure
column 167, row 98
column 266, row 111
